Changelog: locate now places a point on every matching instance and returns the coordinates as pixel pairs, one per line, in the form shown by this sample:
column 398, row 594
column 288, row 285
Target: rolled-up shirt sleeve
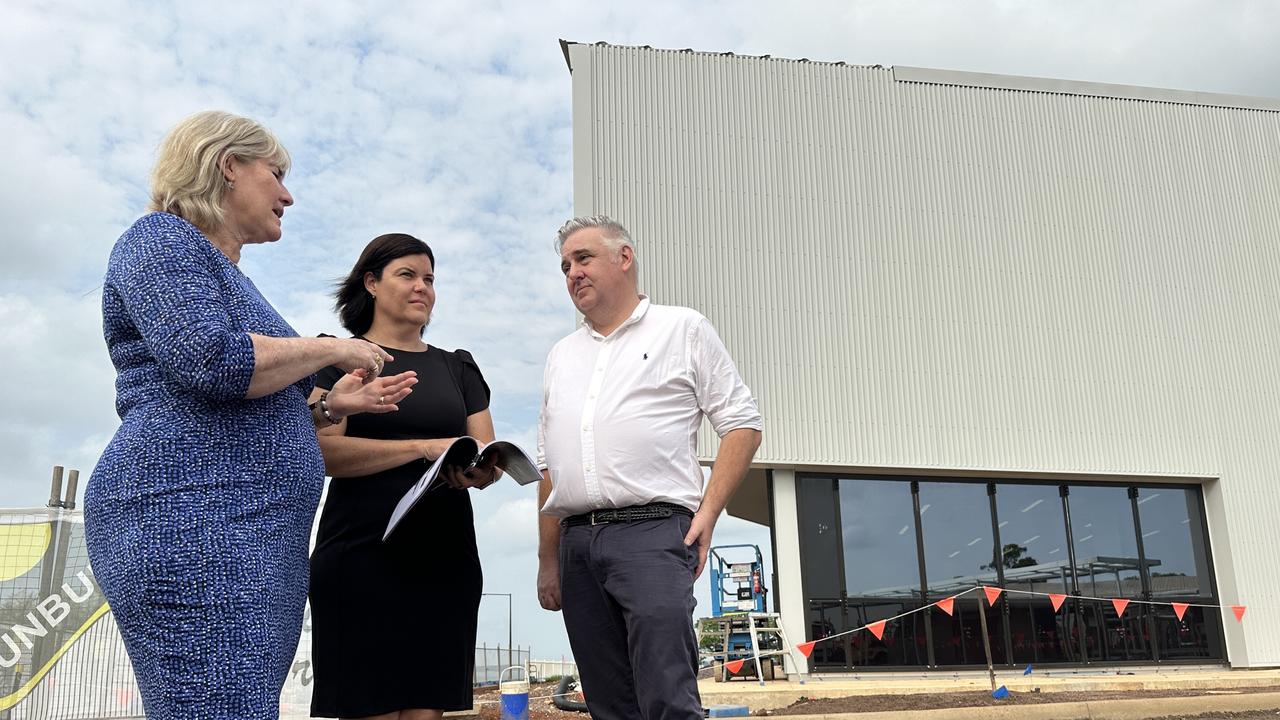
column 721, row 393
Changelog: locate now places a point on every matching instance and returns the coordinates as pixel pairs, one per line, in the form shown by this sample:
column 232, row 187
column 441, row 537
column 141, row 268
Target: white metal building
column 1003, row 330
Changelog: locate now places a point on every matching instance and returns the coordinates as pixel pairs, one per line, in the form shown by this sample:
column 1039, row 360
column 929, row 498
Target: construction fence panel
column 61, row 654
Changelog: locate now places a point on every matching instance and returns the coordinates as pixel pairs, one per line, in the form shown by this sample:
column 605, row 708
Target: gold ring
column 382, row 399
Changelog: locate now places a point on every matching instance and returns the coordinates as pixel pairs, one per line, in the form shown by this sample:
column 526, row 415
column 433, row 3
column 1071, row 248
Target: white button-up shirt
column 620, row 414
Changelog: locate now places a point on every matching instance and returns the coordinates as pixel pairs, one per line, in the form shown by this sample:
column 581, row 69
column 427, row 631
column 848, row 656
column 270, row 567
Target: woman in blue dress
column 198, row 514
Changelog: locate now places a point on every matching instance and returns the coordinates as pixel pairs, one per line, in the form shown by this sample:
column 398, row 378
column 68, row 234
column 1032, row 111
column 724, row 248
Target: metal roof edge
column 564, row 45
column 991, row 81
column 564, row 48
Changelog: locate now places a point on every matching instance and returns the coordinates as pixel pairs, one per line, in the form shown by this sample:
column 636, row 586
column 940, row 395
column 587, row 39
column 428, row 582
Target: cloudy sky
column 451, row 121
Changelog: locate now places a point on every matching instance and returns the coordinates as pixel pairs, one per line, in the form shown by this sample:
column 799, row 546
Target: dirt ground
column 872, row 703
column 541, row 707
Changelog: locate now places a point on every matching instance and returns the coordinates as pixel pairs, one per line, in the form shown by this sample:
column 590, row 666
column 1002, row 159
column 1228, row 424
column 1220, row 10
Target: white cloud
column 511, row 529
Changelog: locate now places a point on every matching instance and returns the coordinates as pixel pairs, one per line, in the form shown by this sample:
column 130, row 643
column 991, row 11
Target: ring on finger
column 382, row 399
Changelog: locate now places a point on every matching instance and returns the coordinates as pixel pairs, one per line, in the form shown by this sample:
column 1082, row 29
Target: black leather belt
column 652, row 511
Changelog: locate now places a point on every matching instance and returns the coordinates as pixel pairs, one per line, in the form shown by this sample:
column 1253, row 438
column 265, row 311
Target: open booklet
column 466, row 453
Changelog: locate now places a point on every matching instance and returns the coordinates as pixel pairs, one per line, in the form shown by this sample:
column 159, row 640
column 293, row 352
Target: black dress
column 394, row 623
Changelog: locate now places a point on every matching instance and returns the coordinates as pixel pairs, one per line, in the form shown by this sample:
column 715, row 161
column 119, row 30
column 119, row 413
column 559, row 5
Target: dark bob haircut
column 353, row 303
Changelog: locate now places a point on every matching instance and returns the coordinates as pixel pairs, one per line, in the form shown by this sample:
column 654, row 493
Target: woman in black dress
column 394, row 623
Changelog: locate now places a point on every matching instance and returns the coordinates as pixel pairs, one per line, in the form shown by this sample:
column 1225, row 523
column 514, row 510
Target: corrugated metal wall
column 941, row 277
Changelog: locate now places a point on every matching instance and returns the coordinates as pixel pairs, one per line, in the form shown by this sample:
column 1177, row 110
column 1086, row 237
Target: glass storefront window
column 862, row 563
column 959, row 553
column 959, row 550
column 1197, row 635
column 1033, row 538
column 1107, row 566
column 1106, row 542
column 878, row 530
column 1173, row 541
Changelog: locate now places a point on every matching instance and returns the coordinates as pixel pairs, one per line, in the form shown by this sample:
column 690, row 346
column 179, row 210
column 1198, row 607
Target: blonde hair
column 187, row 179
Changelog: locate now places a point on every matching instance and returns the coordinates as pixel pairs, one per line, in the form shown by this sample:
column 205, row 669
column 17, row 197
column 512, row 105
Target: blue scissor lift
column 740, row 617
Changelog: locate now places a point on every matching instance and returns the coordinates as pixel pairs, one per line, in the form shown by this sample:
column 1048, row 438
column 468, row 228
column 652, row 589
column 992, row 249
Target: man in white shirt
column 622, row 499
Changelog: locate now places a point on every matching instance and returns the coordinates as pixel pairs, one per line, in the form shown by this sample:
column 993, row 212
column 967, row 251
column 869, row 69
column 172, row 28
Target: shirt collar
column 636, row 315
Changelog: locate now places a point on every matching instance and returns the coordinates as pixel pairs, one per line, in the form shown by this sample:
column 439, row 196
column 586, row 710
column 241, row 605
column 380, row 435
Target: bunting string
column 992, row 593
column 947, row 605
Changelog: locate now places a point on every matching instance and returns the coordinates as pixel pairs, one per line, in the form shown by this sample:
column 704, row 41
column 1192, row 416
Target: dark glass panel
column 878, row 532
column 1197, row 635
column 959, row 550
column 819, row 537
column 1033, row 539
column 1173, row 541
column 1106, row 543
column 1113, row 638
column 957, row 638
column 901, row 644
column 1038, row 633
column 960, row 553
column 1035, row 557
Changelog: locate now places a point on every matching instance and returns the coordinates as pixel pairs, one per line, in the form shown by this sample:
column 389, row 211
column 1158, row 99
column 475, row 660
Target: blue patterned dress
column 198, row 515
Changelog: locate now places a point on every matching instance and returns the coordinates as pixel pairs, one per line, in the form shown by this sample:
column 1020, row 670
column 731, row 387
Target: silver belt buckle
column 593, row 517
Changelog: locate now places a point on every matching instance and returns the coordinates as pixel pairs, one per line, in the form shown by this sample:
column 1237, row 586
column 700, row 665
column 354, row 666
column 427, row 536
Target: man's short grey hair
column 615, row 235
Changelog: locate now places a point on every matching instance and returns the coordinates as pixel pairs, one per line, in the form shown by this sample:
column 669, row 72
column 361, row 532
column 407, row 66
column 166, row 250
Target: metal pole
column 73, row 479
column 998, row 561
column 55, row 492
column 1064, row 492
column 509, row 631
column 1153, row 643
column 52, row 565
column 924, row 579
column 986, row 643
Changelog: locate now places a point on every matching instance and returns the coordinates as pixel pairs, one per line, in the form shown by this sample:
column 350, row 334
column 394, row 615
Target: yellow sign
column 48, row 597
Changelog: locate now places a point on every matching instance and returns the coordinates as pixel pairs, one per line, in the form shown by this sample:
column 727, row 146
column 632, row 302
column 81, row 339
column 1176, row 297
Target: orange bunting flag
column 947, row 605
column 1180, row 609
column 806, row 648
column 992, row 594
column 1057, row 600
column 1120, row 605
column 877, row 629
column 1239, row 611
column 734, row 666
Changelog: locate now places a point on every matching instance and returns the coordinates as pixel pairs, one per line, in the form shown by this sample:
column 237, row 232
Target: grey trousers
column 627, row 597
